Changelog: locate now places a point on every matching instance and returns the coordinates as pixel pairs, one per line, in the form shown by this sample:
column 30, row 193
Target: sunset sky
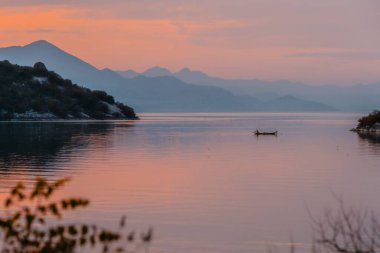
column 318, row 42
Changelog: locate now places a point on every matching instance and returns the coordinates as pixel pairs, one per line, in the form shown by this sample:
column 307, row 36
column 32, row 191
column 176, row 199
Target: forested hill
column 36, row 93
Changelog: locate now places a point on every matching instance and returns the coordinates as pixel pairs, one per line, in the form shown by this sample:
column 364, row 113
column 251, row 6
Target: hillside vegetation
column 369, row 121
column 36, row 93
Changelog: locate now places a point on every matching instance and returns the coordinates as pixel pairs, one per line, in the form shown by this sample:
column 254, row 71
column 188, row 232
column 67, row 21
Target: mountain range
column 160, row 90
column 355, row 98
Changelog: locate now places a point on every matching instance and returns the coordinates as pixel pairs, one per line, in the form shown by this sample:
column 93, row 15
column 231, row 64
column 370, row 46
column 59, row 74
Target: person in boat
column 257, row 132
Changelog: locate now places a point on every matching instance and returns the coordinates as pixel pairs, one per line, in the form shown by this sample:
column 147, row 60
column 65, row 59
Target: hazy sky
column 314, row 41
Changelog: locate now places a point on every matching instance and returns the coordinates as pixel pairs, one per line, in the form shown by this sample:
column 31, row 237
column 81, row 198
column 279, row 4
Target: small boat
column 257, row 133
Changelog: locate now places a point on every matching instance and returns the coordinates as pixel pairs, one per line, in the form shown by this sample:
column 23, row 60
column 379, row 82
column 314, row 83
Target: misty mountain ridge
column 359, row 97
column 67, row 65
column 157, row 72
column 157, row 89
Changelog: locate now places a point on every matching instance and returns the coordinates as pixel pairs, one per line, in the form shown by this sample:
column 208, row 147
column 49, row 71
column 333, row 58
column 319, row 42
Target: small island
column 369, row 124
column 35, row 93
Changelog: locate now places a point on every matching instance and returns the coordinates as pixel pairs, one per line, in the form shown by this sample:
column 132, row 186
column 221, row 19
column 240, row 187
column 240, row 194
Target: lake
column 204, row 182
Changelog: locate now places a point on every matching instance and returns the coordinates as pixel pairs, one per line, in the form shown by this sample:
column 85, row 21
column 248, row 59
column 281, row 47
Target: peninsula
column 369, row 123
column 35, row 93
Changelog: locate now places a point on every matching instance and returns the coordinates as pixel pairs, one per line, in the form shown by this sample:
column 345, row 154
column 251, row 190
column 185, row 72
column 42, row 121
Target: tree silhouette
column 33, row 224
column 347, row 230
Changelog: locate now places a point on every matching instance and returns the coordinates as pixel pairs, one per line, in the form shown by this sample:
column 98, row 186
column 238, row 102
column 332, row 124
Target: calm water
column 203, row 181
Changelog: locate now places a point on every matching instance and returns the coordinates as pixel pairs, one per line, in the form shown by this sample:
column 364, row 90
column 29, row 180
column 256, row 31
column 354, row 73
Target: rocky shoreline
column 367, row 130
column 37, row 116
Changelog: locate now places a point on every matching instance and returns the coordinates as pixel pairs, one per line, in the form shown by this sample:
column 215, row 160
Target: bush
column 27, row 226
column 126, row 110
column 346, row 229
column 370, row 120
column 102, row 95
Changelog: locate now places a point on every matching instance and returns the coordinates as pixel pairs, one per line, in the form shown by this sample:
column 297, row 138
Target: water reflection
column 37, row 147
column 204, row 182
column 373, row 139
column 369, row 144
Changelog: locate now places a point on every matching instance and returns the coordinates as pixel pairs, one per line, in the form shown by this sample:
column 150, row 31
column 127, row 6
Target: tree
column 33, row 224
column 370, row 120
column 346, row 230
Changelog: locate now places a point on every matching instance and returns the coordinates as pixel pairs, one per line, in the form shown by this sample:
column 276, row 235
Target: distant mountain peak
column 41, row 43
column 42, row 46
column 192, row 76
column 157, row 71
column 107, row 70
column 129, row 74
column 55, row 59
column 131, row 71
column 185, row 70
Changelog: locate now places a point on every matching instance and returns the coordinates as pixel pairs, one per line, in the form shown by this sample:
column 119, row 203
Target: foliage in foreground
column 346, row 230
column 33, row 224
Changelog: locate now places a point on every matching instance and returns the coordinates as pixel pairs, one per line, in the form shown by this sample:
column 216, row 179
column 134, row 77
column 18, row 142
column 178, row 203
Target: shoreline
column 65, row 120
column 366, row 130
column 31, row 116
